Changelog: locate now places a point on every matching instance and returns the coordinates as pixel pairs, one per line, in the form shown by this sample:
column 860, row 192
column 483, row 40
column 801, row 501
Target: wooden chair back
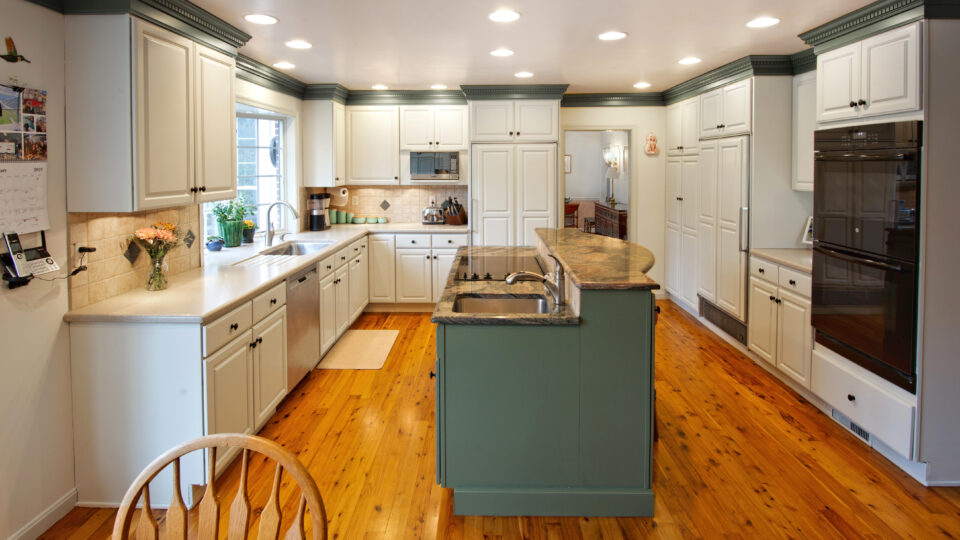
column 209, row 507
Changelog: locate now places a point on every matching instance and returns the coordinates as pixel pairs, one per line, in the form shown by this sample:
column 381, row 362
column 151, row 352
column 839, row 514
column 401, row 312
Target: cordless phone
column 20, row 267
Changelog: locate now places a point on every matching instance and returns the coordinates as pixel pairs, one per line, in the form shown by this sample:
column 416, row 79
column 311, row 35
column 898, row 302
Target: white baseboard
column 46, row 519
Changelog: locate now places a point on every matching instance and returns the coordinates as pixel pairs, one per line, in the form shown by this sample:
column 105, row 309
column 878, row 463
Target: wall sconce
column 613, row 156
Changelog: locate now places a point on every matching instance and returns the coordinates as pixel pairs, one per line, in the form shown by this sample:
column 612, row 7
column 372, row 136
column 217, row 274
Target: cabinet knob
column 761, row 270
column 719, row 126
column 438, row 143
column 203, row 188
column 434, row 256
column 679, row 198
column 430, row 142
column 511, row 133
column 337, row 178
column 722, row 126
column 851, row 397
column 778, row 300
column 193, row 190
column 861, row 102
column 432, row 375
column 793, row 282
column 853, row 104
column 396, row 177
column 356, row 249
column 772, row 298
column 329, row 267
column 253, row 345
column 259, row 340
column 428, row 256
column 679, row 148
column 449, row 241
column 234, row 326
column 273, row 301
column 343, row 257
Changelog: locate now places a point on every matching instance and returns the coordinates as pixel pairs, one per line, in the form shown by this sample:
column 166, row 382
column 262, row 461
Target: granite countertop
column 203, row 294
column 800, row 259
column 444, row 311
column 593, row 261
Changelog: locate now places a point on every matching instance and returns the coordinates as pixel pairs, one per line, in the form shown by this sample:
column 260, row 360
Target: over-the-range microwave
column 434, row 166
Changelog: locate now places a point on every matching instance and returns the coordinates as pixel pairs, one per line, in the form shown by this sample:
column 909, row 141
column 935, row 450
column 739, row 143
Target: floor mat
column 360, row 349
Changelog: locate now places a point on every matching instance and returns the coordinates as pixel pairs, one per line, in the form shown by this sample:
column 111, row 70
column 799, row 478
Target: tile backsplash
column 406, row 203
column 109, row 273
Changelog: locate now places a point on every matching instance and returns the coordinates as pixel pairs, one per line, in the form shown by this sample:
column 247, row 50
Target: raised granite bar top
column 593, row 261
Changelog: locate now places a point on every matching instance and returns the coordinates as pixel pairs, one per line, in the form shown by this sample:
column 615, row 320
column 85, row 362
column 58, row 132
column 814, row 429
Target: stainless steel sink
column 471, row 303
column 295, row 248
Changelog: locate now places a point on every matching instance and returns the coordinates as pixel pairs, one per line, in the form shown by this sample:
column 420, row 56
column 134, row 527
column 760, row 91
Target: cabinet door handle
column 722, row 126
column 253, row 345
column 193, row 190
column 356, row 249
column 861, row 102
column 761, row 270
column 853, row 104
column 273, row 301
column 851, row 397
column 511, row 133
column 778, row 300
column 793, row 282
column 438, row 143
column 259, row 340
column 203, row 188
column 234, row 327
column 772, row 298
column 680, row 198
column 343, row 257
column 449, row 241
column 428, row 256
column 396, row 177
column 432, row 375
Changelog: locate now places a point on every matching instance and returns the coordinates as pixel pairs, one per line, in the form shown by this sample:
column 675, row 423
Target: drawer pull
column 234, row 327
column 432, row 375
column 273, row 301
column 851, row 397
column 760, row 270
column 253, row 345
column 793, row 282
column 259, row 340
column 356, row 249
column 329, row 267
column 449, row 241
column 343, row 257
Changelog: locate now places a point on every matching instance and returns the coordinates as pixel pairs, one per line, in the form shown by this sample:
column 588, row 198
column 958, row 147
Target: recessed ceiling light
column 689, row 60
column 501, row 52
column 504, row 15
column 298, row 44
column 763, row 22
column 379, row 87
column 523, row 74
column 260, row 18
column 612, row 35
column 642, row 84
column 439, row 87
column 284, row 65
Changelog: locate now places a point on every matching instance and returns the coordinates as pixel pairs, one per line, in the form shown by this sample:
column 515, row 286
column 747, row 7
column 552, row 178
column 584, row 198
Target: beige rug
column 360, row 349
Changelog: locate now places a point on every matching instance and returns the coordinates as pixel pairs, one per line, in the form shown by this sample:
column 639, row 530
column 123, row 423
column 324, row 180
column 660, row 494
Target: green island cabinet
column 550, row 420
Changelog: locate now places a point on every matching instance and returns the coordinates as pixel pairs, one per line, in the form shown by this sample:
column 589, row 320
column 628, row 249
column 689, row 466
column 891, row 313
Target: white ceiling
column 411, row 44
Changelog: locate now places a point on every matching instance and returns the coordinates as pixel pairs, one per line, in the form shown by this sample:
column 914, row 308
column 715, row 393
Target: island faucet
column 557, row 288
column 269, row 223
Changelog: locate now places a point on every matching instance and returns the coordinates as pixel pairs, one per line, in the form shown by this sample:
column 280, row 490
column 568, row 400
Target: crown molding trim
column 748, row 66
column 328, row 92
column 474, row 92
column 263, row 75
column 644, row 99
column 406, row 97
column 803, row 61
column 870, row 20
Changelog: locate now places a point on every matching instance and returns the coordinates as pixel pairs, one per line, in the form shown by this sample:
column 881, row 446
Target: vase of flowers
column 157, row 240
column 249, row 229
column 230, row 215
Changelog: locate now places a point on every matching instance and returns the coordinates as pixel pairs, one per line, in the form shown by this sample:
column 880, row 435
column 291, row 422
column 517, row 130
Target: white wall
column 646, row 217
column 36, row 427
column 585, row 181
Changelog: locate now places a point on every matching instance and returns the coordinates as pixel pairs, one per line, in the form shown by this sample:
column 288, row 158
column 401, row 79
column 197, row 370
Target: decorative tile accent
column 189, row 238
column 384, row 205
column 132, row 252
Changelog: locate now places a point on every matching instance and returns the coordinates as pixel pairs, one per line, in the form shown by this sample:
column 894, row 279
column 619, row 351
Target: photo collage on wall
column 23, row 124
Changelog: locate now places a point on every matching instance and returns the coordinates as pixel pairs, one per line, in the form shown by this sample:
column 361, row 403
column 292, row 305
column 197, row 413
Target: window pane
column 246, row 128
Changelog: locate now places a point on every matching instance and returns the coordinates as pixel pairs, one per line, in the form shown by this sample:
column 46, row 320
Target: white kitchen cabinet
column 673, row 260
column 683, row 127
column 359, row 283
column 707, row 222
column 536, row 190
column 324, row 144
column 342, row 295
column 373, row 145
column 762, row 327
column 877, row 76
column 732, row 203
column 442, row 260
column 227, row 400
column 681, row 230
column 328, row 312
column 269, row 363
column 794, row 336
column 382, row 268
column 515, row 120
column 727, row 111
column 414, row 275
column 150, row 117
column 804, row 125
column 433, row 128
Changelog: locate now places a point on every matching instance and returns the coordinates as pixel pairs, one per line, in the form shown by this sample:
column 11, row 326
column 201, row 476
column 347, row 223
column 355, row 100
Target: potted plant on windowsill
column 215, row 243
column 230, row 216
column 249, row 229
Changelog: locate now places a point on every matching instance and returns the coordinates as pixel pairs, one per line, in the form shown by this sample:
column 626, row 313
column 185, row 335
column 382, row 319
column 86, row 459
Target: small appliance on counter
column 433, row 215
column 319, row 204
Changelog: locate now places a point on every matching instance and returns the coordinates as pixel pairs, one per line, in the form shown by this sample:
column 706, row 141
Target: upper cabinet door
column 451, row 128
column 890, row 79
column 339, row 144
column 838, row 83
column 216, row 149
column 492, row 121
column 804, row 124
column 417, row 128
column 737, row 105
column 674, row 129
column 373, row 145
column 536, row 182
column 537, row 120
column 711, row 114
column 164, row 94
column 673, row 194
column 689, row 121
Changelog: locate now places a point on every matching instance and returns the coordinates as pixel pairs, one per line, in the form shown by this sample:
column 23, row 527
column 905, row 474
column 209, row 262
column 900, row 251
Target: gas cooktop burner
column 495, row 267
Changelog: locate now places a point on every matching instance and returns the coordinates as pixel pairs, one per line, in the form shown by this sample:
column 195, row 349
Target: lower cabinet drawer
column 885, row 415
column 269, row 301
column 342, row 257
column 222, row 330
column 764, row 269
column 326, row 267
column 796, row 282
column 449, row 240
column 413, row 240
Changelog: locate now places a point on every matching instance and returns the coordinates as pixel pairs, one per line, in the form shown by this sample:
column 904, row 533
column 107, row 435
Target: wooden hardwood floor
column 739, row 455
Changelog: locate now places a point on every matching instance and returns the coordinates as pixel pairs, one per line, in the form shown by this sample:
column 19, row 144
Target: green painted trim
column 864, row 32
column 748, row 66
column 326, row 92
column 877, row 17
column 475, row 92
column 589, row 502
column 644, row 99
column 56, row 5
column 804, row 61
column 406, row 97
column 263, row 75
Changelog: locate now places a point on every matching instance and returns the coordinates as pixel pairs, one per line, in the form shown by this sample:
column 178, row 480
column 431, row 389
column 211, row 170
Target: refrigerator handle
column 744, row 228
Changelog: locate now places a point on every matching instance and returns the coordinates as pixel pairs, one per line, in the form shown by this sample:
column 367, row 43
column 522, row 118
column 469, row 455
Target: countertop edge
column 774, row 255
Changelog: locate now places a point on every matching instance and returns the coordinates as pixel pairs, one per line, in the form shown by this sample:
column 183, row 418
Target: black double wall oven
column 866, row 213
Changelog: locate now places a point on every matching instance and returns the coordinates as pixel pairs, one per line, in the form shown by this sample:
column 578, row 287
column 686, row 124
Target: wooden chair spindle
column 296, row 531
column 147, row 528
column 209, row 505
column 176, row 520
column 240, row 509
column 270, row 517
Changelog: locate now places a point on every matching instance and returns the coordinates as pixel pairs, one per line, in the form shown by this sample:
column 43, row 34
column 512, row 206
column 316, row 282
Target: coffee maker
column 319, row 205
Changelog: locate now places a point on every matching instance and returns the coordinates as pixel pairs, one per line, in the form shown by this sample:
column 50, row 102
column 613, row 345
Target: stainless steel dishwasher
column 303, row 324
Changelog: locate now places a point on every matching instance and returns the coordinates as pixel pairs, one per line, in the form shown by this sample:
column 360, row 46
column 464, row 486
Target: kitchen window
column 260, row 169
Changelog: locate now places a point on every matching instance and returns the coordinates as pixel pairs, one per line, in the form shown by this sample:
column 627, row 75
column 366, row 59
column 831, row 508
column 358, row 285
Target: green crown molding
column 869, row 20
column 748, row 66
column 263, row 75
column 644, row 99
column 406, row 97
column 331, row 92
column 513, row 91
column 803, row 61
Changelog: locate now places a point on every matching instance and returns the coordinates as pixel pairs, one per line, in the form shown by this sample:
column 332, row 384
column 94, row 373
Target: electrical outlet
column 433, row 200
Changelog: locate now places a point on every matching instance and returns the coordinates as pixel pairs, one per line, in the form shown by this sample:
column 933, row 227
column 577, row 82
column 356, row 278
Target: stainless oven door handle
column 744, row 228
column 859, row 260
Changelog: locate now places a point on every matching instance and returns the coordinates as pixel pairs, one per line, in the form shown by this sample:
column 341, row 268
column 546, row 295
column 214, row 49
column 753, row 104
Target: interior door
column 731, row 254
column 216, row 149
column 838, row 83
column 494, row 192
column 536, row 182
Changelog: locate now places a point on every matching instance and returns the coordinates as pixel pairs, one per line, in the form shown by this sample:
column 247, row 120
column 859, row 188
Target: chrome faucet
column 270, row 223
column 557, row 288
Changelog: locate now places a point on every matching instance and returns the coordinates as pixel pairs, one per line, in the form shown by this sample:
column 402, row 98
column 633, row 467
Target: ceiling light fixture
column 298, row 44
column 642, row 84
column 260, row 18
column 689, row 60
column 523, row 74
column 504, row 15
column 501, row 52
column 379, row 87
column 763, row 22
column 284, row 65
column 612, row 35
column 438, row 87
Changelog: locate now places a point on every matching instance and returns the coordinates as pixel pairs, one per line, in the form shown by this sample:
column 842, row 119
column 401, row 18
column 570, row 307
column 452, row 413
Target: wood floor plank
column 740, row 455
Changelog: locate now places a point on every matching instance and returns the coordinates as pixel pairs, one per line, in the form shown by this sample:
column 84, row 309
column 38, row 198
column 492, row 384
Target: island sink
column 476, row 303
